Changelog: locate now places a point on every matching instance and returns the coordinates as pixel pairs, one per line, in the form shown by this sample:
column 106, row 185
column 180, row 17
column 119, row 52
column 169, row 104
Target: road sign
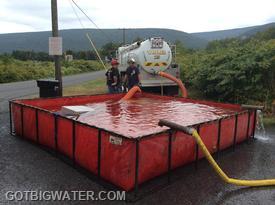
column 55, row 46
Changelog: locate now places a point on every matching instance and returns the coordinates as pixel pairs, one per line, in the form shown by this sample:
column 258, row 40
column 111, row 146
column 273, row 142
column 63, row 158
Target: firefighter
column 132, row 76
column 113, row 78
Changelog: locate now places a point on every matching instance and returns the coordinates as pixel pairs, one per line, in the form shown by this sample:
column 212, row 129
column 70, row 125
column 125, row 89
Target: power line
column 76, row 14
column 91, row 20
column 88, row 36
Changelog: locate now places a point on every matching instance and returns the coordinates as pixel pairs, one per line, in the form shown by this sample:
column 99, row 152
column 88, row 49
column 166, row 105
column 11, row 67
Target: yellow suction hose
column 213, row 163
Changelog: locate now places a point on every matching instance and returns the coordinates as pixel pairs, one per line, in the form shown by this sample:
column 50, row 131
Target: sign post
column 55, row 46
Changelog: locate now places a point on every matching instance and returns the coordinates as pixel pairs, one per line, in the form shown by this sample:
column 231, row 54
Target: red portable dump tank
column 120, row 154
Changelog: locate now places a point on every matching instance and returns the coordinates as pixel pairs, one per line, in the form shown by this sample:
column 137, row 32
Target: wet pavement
column 24, row 166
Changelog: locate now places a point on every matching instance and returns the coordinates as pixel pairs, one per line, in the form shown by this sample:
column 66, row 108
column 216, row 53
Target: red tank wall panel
column 209, row 135
column 183, row 149
column 118, row 162
column 153, row 154
column 46, row 128
column 29, row 127
column 16, row 115
column 65, row 136
column 242, row 127
column 227, row 132
column 86, row 147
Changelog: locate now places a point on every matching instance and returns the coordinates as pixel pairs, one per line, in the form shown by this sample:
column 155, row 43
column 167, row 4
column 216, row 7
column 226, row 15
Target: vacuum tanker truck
column 152, row 56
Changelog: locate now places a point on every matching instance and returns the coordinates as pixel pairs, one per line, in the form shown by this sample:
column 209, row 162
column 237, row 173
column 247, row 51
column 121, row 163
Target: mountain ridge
column 232, row 33
column 75, row 39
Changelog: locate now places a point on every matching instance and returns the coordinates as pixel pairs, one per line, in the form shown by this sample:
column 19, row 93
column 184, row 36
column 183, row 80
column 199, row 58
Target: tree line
column 108, row 49
column 237, row 70
column 43, row 56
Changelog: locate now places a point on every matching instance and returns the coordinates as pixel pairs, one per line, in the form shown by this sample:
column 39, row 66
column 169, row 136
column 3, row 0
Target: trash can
column 48, row 88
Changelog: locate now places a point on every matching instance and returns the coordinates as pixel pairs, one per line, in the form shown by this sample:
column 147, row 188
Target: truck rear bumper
column 165, row 89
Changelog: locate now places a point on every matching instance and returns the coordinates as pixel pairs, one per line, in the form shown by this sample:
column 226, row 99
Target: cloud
column 271, row 19
column 11, row 27
column 185, row 15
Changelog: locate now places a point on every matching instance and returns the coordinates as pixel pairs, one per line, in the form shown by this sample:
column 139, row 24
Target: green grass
column 12, row 70
column 92, row 87
column 88, row 88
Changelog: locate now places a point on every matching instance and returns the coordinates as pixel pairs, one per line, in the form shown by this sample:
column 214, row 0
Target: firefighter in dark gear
column 113, row 78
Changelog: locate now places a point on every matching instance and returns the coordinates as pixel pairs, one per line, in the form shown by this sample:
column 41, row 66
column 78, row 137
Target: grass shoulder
column 87, row 88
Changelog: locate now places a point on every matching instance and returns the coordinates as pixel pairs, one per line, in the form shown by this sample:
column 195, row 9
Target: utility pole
column 124, row 36
column 57, row 60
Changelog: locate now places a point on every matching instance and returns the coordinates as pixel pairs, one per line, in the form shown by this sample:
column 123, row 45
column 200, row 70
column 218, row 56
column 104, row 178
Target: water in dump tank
column 140, row 116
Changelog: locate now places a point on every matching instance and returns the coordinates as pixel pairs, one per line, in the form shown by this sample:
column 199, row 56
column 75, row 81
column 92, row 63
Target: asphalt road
column 25, row 88
column 25, row 167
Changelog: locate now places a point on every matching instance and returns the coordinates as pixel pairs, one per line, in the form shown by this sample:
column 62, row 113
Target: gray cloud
column 35, row 15
column 271, row 19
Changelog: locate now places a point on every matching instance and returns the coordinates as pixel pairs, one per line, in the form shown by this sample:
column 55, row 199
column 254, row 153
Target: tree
column 137, row 39
column 6, row 60
column 233, row 70
column 109, row 49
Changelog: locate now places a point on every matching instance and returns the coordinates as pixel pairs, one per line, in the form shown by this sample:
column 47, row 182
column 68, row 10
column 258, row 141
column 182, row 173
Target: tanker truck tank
column 152, row 56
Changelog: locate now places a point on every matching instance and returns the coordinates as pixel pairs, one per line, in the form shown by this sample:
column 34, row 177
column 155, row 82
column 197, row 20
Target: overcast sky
column 185, row 15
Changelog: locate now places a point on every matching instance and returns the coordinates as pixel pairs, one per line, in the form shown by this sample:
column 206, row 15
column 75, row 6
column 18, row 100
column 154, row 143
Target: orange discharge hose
column 131, row 93
column 178, row 81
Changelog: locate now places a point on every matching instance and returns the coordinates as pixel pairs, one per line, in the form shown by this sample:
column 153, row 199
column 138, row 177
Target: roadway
column 26, row 88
